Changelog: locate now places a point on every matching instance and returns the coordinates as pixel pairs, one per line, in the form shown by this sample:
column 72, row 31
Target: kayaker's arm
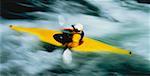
column 74, row 29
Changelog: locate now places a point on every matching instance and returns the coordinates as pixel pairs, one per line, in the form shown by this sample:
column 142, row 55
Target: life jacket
column 71, row 35
column 68, row 36
column 77, row 37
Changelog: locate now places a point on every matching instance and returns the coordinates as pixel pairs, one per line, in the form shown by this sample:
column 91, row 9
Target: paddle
column 67, row 56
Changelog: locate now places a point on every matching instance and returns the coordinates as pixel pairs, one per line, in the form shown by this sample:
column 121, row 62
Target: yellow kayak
column 88, row 45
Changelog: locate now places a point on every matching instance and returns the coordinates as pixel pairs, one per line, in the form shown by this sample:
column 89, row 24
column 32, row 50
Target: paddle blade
column 67, row 56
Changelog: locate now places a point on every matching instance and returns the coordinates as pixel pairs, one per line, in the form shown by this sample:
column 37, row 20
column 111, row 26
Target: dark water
column 122, row 23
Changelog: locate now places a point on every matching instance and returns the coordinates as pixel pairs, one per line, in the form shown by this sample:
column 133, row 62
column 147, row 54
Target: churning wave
column 122, row 23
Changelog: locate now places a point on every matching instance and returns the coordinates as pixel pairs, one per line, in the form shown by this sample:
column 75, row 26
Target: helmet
column 78, row 26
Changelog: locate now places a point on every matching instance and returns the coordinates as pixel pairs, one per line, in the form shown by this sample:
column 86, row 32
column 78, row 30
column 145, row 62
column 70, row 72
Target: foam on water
column 22, row 54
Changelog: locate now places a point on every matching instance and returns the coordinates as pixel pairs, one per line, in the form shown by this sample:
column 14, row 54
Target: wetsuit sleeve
column 82, row 35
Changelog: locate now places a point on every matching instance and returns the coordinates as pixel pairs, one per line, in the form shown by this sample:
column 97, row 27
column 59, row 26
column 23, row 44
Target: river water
column 122, row 23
